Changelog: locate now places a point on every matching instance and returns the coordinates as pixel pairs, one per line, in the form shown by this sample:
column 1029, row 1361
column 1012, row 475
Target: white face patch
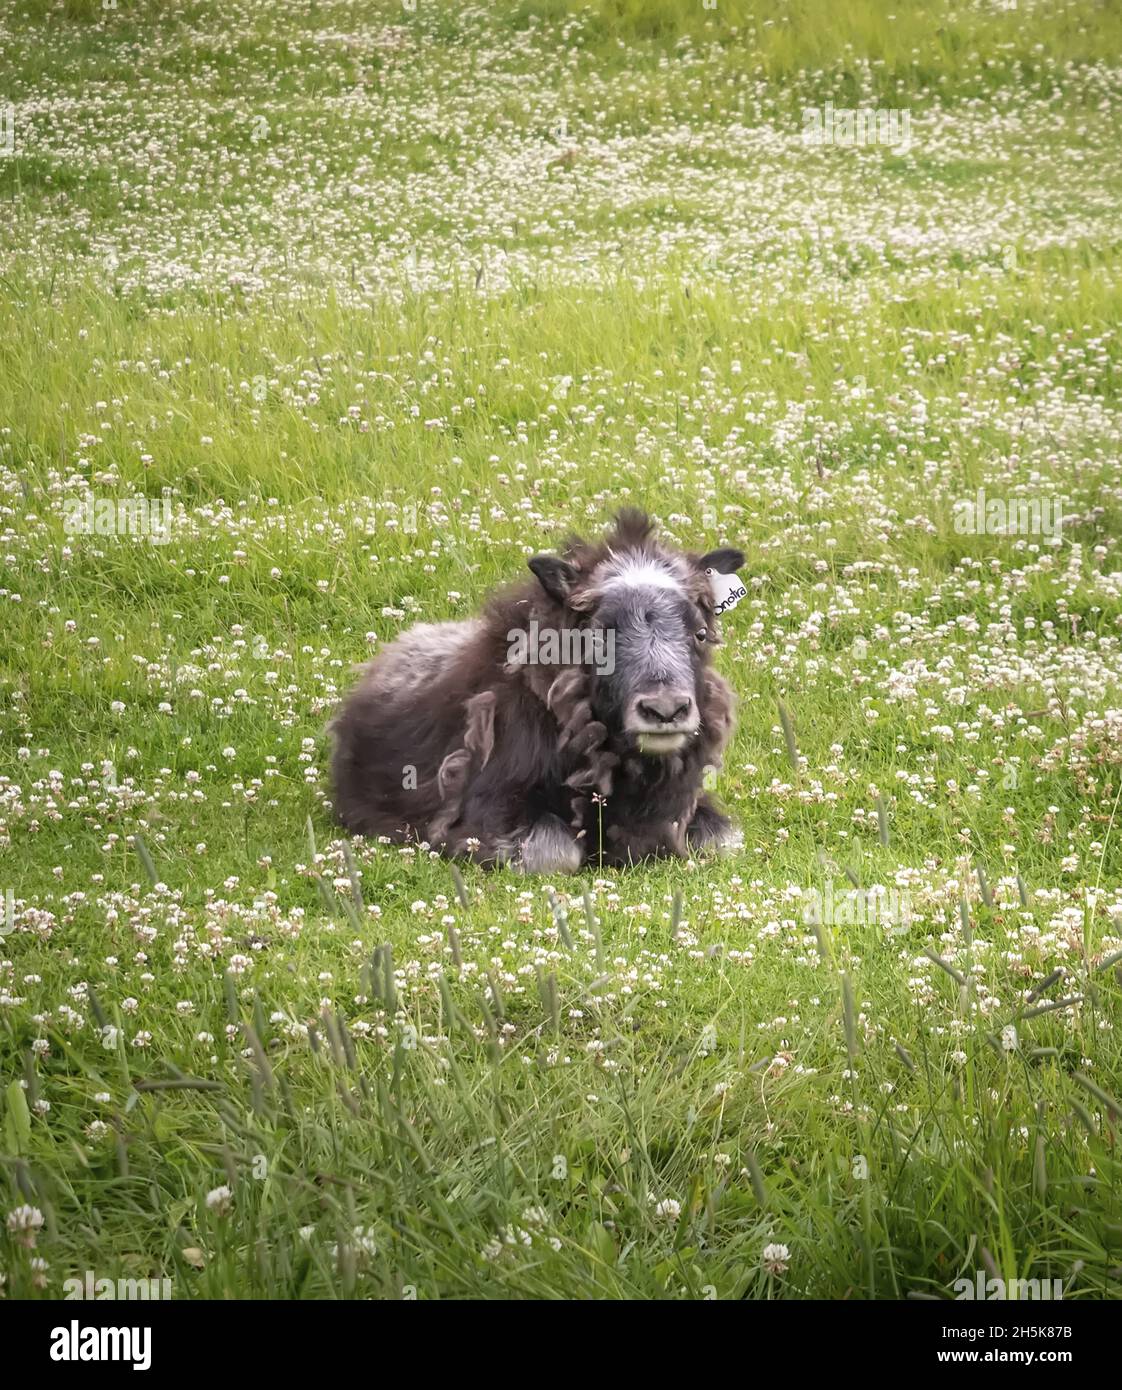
column 653, row 645
column 727, row 591
column 638, row 572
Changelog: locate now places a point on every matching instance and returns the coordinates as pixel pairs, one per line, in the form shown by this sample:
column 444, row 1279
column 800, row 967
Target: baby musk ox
column 573, row 722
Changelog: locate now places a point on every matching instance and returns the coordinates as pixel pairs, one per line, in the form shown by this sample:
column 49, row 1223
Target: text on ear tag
column 727, row 591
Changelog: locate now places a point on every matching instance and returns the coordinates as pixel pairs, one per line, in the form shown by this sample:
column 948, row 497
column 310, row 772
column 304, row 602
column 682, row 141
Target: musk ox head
column 648, row 616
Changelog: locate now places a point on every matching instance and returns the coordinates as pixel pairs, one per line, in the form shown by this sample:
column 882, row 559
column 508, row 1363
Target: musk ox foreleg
column 550, row 848
column 711, row 832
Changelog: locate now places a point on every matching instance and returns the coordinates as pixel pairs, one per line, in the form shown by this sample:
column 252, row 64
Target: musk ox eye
column 702, row 634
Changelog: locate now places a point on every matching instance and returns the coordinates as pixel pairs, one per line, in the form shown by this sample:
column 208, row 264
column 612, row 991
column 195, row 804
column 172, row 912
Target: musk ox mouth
column 662, row 720
column 658, row 745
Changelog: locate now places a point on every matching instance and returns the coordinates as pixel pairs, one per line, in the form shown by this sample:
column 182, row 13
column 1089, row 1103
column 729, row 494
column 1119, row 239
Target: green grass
column 416, row 296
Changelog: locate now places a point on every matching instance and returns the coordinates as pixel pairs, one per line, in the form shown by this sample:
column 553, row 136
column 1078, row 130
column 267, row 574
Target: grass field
column 380, row 301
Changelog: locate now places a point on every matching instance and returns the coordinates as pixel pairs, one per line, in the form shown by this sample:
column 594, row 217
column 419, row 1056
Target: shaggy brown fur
column 445, row 741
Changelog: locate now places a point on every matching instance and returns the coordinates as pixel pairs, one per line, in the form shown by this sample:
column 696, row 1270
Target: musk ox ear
column 726, row 561
column 557, row 577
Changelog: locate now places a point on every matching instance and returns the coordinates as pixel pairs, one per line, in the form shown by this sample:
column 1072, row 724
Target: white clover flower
column 220, row 1200
column 25, row 1223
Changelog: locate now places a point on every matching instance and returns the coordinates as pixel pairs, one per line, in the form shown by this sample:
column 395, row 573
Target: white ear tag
column 727, row 591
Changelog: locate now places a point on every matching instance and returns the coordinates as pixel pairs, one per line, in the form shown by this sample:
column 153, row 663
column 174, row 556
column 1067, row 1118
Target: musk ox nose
column 665, row 708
